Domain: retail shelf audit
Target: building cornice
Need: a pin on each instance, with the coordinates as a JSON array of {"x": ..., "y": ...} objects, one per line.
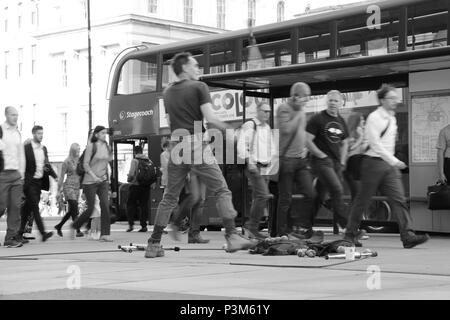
[{"x": 128, "y": 19}]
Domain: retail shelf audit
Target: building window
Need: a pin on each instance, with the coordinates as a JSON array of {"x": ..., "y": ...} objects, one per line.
[
  {"x": 152, "y": 6},
  {"x": 58, "y": 17},
  {"x": 64, "y": 72},
  {"x": 280, "y": 11},
  {"x": 6, "y": 64},
  {"x": 33, "y": 59},
  {"x": 251, "y": 13},
  {"x": 64, "y": 127},
  {"x": 188, "y": 9},
  {"x": 221, "y": 14},
  {"x": 6, "y": 19},
  {"x": 20, "y": 61},
  {"x": 19, "y": 15}
]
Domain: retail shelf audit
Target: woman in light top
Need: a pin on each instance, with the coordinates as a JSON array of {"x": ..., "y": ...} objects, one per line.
[
  {"x": 70, "y": 187},
  {"x": 356, "y": 147},
  {"x": 96, "y": 181}
]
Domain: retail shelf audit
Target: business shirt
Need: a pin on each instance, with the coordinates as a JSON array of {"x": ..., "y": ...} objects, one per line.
[
  {"x": 13, "y": 150},
  {"x": 381, "y": 147},
  {"x": 39, "y": 156},
  {"x": 444, "y": 141},
  {"x": 259, "y": 146}
]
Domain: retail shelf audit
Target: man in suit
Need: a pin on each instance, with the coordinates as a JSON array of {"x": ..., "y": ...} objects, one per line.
[{"x": 37, "y": 172}]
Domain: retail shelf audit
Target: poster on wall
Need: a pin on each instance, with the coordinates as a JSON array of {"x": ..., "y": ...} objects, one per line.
[{"x": 430, "y": 113}]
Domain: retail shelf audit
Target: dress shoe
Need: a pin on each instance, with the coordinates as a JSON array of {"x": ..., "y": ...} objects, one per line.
[
  {"x": 130, "y": 228},
  {"x": 47, "y": 236},
  {"x": 143, "y": 229},
  {"x": 58, "y": 231},
  {"x": 79, "y": 234},
  {"x": 413, "y": 240}
]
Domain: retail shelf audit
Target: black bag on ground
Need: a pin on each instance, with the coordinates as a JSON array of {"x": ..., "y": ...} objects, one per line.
[
  {"x": 147, "y": 172},
  {"x": 439, "y": 197}
]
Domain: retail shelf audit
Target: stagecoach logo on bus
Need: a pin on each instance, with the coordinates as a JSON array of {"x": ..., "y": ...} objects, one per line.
[
  {"x": 137, "y": 114},
  {"x": 213, "y": 145}
]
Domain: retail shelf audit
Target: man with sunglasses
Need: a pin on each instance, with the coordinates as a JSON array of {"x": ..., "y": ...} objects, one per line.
[
  {"x": 294, "y": 169},
  {"x": 257, "y": 146}
]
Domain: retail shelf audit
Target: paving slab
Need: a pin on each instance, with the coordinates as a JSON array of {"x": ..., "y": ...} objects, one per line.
[{"x": 43, "y": 270}]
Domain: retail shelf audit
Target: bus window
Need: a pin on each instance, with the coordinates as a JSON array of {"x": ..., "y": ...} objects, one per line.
[
  {"x": 138, "y": 76},
  {"x": 273, "y": 50},
  {"x": 222, "y": 57},
  {"x": 168, "y": 76},
  {"x": 314, "y": 43},
  {"x": 356, "y": 38},
  {"x": 427, "y": 25}
]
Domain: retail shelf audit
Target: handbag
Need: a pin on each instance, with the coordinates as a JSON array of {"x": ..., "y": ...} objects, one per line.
[{"x": 438, "y": 196}]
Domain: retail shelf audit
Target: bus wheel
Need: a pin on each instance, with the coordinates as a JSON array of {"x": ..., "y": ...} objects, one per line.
[{"x": 378, "y": 211}]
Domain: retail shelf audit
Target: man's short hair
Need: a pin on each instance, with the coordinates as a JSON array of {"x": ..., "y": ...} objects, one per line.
[
  {"x": 179, "y": 60},
  {"x": 7, "y": 110},
  {"x": 36, "y": 129},
  {"x": 260, "y": 104},
  {"x": 335, "y": 92},
  {"x": 384, "y": 90},
  {"x": 137, "y": 149}
]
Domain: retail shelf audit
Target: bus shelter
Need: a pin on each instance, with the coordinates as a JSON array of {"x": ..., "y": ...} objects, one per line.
[{"x": 423, "y": 77}]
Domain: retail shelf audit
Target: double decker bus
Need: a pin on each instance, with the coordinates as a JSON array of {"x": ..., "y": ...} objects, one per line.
[{"x": 354, "y": 50}]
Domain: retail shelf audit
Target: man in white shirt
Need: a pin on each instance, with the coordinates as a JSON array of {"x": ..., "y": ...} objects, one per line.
[
  {"x": 12, "y": 173},
  {"x": 37, "y": 172},
  {"x": 380, "y": 169},
  {"x": 257, "y": 146}
]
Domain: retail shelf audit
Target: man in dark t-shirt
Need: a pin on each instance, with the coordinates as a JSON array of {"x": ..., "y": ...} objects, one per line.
[
  {"x": 326, "y": 135},
  {"x": 187, "y": 102}
]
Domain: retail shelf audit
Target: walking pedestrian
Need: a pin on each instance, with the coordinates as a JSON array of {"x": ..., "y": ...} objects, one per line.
[
  {"x": 294, "y": 168},
  {"x": 96, "y": 182},
  {"x": 12, "y": 173},
  {"x": 257, "y": 146},
  {"x": 138, "y": 193},
  {"x": 356, "y": 146},
  {"x": 327, "y": 141},
  {"x": 37, "y": 172},
  {"x": 443, "y": 154},
  {"x": 70, "y": 187},
  {"x": 188, "y": 101},
  {"x": 380, "y": 170}
]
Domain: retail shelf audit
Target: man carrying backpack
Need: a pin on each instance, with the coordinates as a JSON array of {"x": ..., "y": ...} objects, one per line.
[{"x": 140, "y": 177}]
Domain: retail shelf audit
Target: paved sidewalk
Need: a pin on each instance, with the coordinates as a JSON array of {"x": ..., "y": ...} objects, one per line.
[{"x": 45, "y": 270}]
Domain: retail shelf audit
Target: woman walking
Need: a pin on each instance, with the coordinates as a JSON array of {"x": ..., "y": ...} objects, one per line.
[
  {"x": 70, "y": 187},
  {"x": 96, "y": 181},
  {"x": 356, "y": 149}
]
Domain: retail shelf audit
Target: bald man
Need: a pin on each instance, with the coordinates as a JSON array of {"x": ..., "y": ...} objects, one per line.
[
  {"x": 294, "y": 166},
  {"x": 12, "y": 173},
  {"x": 327, "y": 140}
]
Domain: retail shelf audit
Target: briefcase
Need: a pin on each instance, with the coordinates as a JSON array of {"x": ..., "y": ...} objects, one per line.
[{"x": 439, "y": 197}]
